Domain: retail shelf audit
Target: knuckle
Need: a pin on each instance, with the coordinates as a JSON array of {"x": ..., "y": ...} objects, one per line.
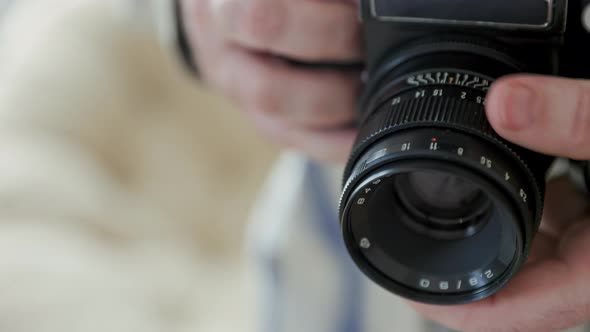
[
  {"x": 262, "y": 21},
  {"x": 580, "y": 130}
]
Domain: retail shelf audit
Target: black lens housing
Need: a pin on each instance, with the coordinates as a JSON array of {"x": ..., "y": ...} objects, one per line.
[{"x": 423, "y": 111}]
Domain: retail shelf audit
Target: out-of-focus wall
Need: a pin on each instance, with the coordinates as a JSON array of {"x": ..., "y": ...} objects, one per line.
[{"x": 124, "y": 185}]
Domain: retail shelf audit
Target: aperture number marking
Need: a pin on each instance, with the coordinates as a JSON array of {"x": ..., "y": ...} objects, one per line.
[{"x": 484, "y": 161}]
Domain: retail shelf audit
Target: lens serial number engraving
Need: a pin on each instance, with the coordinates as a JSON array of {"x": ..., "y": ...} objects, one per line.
[{"x": 473, "y": 281}]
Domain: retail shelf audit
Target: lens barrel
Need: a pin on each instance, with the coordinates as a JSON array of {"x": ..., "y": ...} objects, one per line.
[{"x": 436, "y": 206}]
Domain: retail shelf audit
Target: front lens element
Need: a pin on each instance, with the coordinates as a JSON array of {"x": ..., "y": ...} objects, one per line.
[{"x": 442, "y": 205}]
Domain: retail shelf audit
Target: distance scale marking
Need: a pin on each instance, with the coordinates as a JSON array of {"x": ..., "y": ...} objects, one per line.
[
  {"x": 470, "y": 81},
  {"x": 441, "y": 91}
]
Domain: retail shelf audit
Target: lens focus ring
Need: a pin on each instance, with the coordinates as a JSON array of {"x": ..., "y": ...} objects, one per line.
[{"x": 430, "y": 105}]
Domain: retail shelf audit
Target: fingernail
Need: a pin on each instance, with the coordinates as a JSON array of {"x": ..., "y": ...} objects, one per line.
[{"x": 519, "y": 107}]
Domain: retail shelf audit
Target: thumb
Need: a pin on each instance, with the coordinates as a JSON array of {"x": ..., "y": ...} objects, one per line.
[{"x": 546, "y": 114}]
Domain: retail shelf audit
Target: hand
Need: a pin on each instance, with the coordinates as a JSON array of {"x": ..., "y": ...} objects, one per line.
[
  {"x": 247, "y": 49},
  {"x": 552, "y": 291}
]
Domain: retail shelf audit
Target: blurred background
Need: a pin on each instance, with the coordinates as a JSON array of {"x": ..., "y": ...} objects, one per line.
[{"x": 124, "y": 185}]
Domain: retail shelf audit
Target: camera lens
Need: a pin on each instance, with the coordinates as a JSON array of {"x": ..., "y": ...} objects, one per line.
[
  {"x": 436, "y": 206},
  {"x": 441, "y": 205}
]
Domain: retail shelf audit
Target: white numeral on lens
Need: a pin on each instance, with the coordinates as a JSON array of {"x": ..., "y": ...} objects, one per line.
[
  {"x": 424, "y": 283},
  {"x": 486, "y": 162}
]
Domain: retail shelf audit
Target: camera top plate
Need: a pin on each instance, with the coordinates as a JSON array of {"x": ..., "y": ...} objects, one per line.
[{"x": 503, "y": 14}]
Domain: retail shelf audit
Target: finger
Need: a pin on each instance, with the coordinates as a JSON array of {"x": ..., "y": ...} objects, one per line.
[
  {"x": 322, "y": 145},
  {"x": 574, "y": 247},
  {"x": 547, "y": 295},
  {"x": 305, "y": 30},
  {"x": 545, "y": 114},
  {"x": 316, "y": 99},
  {"x": 544, "y": 247},
  {"x": 563, "y": 205}
]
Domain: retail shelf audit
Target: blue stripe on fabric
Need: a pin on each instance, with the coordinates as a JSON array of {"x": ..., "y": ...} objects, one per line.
[
  {"x": 327, "y": 225},
  {"x": 272, "y": 317}
]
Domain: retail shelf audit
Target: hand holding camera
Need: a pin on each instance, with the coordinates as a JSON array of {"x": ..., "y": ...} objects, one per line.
[
  {"x": 267, "y": 56},
  {"x": 551, "y": 292},
  {"x": 445, "y": 199}
]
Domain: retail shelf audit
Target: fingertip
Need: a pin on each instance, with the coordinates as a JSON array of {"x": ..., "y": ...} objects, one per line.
[
  {"x": 512, "y": 104},
  {"x": 545, "y": 114}
]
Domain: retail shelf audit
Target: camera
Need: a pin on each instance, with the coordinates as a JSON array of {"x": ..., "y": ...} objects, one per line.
[{"x": 437, "y": 207}]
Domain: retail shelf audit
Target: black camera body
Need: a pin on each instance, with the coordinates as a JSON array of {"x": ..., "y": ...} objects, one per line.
[
  {"x": 437, "y": 207},
  {"x": 537, "y": 31}
]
